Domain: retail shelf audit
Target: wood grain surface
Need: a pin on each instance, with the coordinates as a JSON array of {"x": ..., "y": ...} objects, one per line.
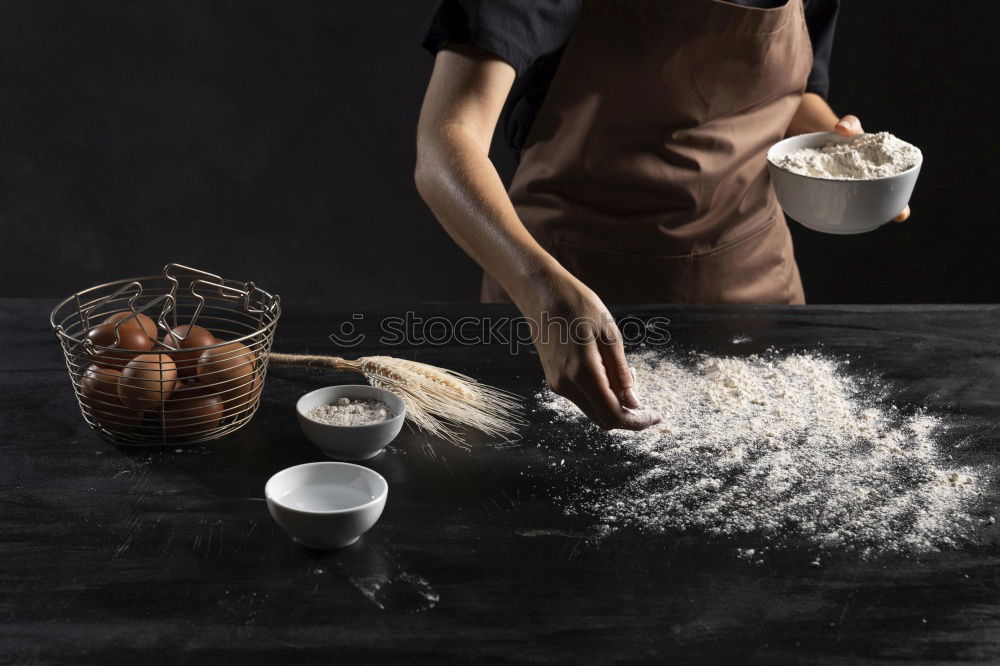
[{"x": 151, "y": 556}]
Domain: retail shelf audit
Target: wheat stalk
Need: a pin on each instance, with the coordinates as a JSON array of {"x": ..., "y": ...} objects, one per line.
[{"x": 439, "y": 401}]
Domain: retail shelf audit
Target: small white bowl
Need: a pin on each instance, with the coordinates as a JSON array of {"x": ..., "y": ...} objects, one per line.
[
  {"x": 326, "y": 504},
  {"x": 837, "y": 206},
  {"x": 351, "y": 442}
]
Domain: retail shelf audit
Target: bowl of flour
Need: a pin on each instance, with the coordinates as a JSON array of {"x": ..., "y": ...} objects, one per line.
[
  {"x": 351, "y": 421},
  {"x": 843, "y": 185}
]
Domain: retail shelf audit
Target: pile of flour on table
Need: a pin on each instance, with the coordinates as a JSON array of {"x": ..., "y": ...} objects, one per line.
[
  {"x": 866, "y": 157},
  {"x": 777, "y": 451}
]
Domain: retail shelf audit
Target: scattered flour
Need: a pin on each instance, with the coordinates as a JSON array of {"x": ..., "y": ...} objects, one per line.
[
  {"x": 347, "y": 412},
  {"x": 866, "y": 157},
  {"x": 777, "y": 451}
]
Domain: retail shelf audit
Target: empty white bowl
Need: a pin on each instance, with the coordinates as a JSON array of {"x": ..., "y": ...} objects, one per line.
[
  {"x": 837, "y": 206},
  {"x": 326, "y": 504},
  {"x": 351, "y": 442}
]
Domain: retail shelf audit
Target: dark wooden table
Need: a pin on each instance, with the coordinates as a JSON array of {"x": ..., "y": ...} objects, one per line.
[{"x": 146, "y": 556}]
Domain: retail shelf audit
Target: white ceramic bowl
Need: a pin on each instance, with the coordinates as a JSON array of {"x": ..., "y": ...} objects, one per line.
[
  {"x": 351, "y": 442},
  {"x": 326, "y": 504},
  {"x": 837, "y": 206}
]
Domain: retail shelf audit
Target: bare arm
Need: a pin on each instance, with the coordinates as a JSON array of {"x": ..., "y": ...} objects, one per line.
[
  {"x": 815, "y": 115},
  {"x": 456, "y": 178}
]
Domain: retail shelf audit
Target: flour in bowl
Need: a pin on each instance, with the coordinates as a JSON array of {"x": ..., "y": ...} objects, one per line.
[
  {"x": 867, "y": 157},
  {"x": 773, "y": 452},
  {"x": 351, "y": 412}
]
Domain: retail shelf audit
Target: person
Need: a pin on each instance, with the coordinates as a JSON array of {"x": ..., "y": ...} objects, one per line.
[{"x": 641, "y": 128}]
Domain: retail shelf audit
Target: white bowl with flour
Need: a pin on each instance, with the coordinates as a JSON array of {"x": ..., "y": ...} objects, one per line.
[
  {"x": 843, "y": 185},
  {"x": 354, "y": 434}
]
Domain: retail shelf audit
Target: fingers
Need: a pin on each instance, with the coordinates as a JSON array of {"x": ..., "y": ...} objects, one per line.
[
  {"x": 586, "y": 385},
  {"x": 609, "y": 344},
  {"x": 903, "y": 216},
  {"x": 609, "y": 413},
  {"x": 849, "y": 125}
]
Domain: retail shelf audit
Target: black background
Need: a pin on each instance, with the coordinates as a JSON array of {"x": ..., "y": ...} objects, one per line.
[{"x": 274, "y": 141}]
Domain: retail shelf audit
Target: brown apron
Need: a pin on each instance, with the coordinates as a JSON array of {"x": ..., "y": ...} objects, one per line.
[{"x": 644, "y": 173}]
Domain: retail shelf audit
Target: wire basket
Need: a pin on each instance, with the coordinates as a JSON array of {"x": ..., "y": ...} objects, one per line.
[{"x": 142, "y": 381}]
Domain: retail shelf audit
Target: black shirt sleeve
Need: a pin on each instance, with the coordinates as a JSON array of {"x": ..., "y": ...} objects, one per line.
[
  {"x": 531, "y": 34},
  {"x": 821, "y": 19},
  {"x": 518, "y": 31}
]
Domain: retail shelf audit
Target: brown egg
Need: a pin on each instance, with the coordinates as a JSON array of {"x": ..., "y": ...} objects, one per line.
[
  {"x": 132, "y": 342},
  {"x": 227, "y": 367},
  {"x": 237, "y": 399},
  {"x": 141, "y": 320},
  {"x": 99, "y": 394},
  {"x": 146, "y": 380},
  {"x": 196, "y": 336},
  {"x": 191, "y": 411}
]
